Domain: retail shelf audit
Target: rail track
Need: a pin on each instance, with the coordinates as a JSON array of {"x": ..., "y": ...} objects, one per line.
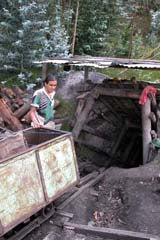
[{"x": 57, "y": 208}]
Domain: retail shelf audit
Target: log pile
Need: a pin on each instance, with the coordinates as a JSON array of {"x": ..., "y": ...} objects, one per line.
[
  {"x": 12, "y": 108},
  {"x": 110, "y": 119}
]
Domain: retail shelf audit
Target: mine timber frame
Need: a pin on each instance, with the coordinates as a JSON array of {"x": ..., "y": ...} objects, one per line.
[{"x": 109, "y": 233}]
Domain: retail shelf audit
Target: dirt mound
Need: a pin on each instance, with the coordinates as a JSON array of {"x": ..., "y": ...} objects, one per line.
[{"x": 129, "y": 199}]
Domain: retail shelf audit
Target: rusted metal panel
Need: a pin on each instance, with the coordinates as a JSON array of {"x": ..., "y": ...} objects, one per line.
[
  {"x": 21, "y": 193},
  {"x": 59, "y": 169},
  {"x": 33, "y": 177}
]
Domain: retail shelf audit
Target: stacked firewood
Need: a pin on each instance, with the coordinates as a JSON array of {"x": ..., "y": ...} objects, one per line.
[{"x": 12, "y": 108}]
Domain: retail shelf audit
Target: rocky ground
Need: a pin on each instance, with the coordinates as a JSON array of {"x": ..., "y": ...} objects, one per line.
[{"x": 127, "y": 199}]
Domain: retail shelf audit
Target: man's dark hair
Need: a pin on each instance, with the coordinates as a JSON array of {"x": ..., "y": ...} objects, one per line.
[{"x": 50, "y": 77}]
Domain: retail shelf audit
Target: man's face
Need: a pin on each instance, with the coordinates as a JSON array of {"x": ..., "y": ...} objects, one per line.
[{"x": 50, "y": 86}]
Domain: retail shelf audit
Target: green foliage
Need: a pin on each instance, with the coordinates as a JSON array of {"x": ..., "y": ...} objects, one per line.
[{"x": 66, "y": 109}]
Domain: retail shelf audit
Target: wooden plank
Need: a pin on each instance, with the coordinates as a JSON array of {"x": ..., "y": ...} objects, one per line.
[
  {"x": 95, "y": 142},
  {"x": 65, "y": 214},
  {"x": 116, "y": 92},
  {"x": 146, "y": 128},
  {"x": 83, "y": 117},
  {"x": 109, "y": 232},
  {"x": 87, "y": 178},
  {"x": 76, "y": 194},
  {"x": 118, "y": 141}
]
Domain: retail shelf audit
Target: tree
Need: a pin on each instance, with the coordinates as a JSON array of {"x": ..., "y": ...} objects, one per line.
[
  {"x": 57, "y": 39},
  {"x": 10, "y": 22}
]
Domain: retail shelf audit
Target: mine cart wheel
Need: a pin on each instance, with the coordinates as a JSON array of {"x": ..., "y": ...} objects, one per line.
[{"x": 48, "y": 211}]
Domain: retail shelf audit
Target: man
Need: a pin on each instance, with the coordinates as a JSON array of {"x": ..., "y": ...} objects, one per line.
[{"x": 41, "y": 112}]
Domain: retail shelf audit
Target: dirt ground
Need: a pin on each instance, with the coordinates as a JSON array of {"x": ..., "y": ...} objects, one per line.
[{"x": 127, "y": 199}]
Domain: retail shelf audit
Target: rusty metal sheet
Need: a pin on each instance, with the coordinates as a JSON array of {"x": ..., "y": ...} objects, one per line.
[
  {"x": 21, "y": 192},
  {"x": 59, "y": 167}
]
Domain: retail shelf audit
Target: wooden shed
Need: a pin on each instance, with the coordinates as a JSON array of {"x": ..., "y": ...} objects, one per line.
[{"x": 117, "y": 117}]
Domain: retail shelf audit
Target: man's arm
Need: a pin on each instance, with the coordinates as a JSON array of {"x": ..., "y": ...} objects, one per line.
[{"x": 36, "y": 123}]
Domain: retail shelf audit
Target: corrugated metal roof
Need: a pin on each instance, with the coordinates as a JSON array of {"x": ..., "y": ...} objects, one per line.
[{"x": 104, "y": 62}]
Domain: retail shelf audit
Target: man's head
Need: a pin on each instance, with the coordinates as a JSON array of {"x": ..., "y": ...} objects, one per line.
[{"x": 50, "y": 83}]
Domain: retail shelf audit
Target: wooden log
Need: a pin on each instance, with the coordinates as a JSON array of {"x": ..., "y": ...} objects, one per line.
[
  {"x": 146, "y": 128},
  {"x": 83, "y": 116},
  {"x": 18, "y": 101},
  {"x": 109, "y": 233},
  {"x": 114, "y": 92},
  {"x": 8, "y": 116},
  {"x": 18, "y": 91},
  {"x": 8, "y": 92},
  {"x": 22, "y": 110}
]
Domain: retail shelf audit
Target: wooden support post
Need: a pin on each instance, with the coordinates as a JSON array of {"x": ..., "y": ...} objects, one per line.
[
  {"x": 44, "y": 71},
  {"x": 83, "y": 117},
  {"x": 146, "y": 128},
  {"x": 86, "y": 72}
]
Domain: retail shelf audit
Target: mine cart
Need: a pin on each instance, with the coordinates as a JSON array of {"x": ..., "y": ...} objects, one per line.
[{"x": 36, "y": 167}]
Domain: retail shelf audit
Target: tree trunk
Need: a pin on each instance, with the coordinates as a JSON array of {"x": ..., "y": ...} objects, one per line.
[{"x": 75, "y": 28}]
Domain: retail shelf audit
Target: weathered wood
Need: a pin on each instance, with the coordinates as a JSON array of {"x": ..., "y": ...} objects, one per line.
[
  {"x": 87, "y": 178},
  {"x": 65, "y": 214},
  {"x": 8, "y": 91},
  {"x": 146, "y": 128},
  {"x": 8, "y": 117},
  {"x": 86, "y": 73},
  {"x": 44, "y": 71},
  {"x": 83, "y": 116},
  {"x": 115, "y": 92},
  {"x": 95, "y": 142},
  {"x": 152, "y": 117},
  {"x": 81, "y": 189},
  {"x": 22, "y": 110},
  {"x": 18, "y": 100},
  {"x": 18, "y": 91},
  {"x": 109, "y": 233},
  {"x": 118, "y": 141}
]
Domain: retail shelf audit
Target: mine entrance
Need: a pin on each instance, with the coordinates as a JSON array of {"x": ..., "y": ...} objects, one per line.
[{"x": 111, "y": 119}]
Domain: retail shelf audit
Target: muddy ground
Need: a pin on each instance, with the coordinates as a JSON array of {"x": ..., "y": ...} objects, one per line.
[{"x": 127, "y": 199}]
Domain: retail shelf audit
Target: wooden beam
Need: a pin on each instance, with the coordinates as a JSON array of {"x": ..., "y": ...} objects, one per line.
[
  {"x": 118, "y": 140},
  {"x": 146, "y": 129},
  {"x": 86, "y": 73},
  {"x": 87, "y": 178},
  {"x": 115, "y": 92},
  {"x": 83, "y": 117},
  {"x": 44, "y": 71},
  {"x": 109, "y": 233},
  {"x": 95, "y": 142}
]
